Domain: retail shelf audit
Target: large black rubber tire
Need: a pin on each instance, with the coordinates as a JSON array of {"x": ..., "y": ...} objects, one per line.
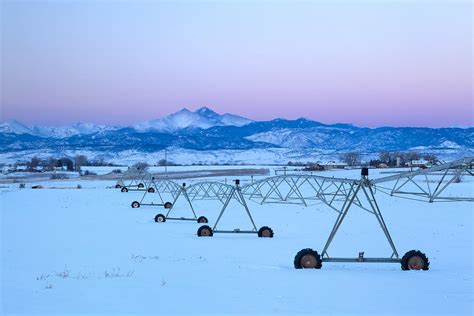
[
  {"x": 265, "y": 232},
  {"x": 151, "y": 190},
  {"x": 168, "y": 205},
  {"x": 118, "y": 186},
  {"x": 415, "y": 260},
  {"x": 141, "y": 185},
  {"x": 135, "y": 204},
  {"x": 160, "y": 218},
  {"x": 124, "y": 190},
  {"x": 205, "y": 231},
  {"x": 202, "y": 220},
  {"x": 308, "y": 259}
]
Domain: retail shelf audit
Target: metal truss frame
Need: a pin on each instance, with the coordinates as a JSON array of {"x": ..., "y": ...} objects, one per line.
[
  {"x": 235, "y": 192},
  {"x": 161, "y": 186},
  {"x": 339, "y": 194},
  {"x": 134, "y": 179},
  {"x": 225, "y": 193},
  {"x": 209, "y": 190},
  {"x": 287, "y": 189},
  {"x": 181, "y": 192},
  {"x": 440, "y": 177},
  {"x": 342, "y": 194}
]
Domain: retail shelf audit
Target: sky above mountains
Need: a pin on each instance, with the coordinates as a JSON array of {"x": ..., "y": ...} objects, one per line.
[{"x": 397, "y": 63}]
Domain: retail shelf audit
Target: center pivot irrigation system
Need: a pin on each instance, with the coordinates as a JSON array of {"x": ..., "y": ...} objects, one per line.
[
  {"x": 158, "y": 187},
  {"x": 225, "y": 194},
  {"x": 209, "y": 190},
  {"x": 341, "y": 195},
  {"x": 135, "y": 179}
]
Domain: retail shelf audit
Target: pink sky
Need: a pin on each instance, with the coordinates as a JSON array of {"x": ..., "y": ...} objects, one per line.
[{"x": 397, "y": 64}]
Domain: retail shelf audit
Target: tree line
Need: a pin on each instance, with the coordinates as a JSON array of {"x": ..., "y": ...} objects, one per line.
[
  {"x": 388, "y": 158},
  {"x": 68, "y": 163}
]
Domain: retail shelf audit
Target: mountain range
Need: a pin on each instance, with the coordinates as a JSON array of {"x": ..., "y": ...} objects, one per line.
[
  {"x": 202, "y": 118},
  {"x": 205, "y": 129}
]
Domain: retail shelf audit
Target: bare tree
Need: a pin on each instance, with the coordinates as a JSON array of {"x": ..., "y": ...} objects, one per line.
[
  {"x": 49, "y": 164},
  {"x": 79, "y": 161},
  {"x": 34, "y": 162},
  {"x": 390, "y": 158},
  {"x": 385, "y": 157},
  {"x": 65, "y": 162},
  {"x": 163, "y": 162},
  {"x": 430, "y": 158},
  {"x": 411, "y": 155},
  {"x": 351, "y": 158}
]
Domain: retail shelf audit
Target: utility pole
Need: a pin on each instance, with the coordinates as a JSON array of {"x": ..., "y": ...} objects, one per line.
[{"x": 166, "y": 160}]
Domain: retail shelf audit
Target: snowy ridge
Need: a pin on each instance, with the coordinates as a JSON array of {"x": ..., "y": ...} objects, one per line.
[
  {"x": 15, "y": 127},
  {"x": 294, "y": 138},
  {"x": 202, "y": 118},
  {"x": 206, "y": 130}
]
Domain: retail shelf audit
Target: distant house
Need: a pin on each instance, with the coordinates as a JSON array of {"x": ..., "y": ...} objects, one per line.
[
  {"x": 382, "y": 165},
  {"x": 333, "y": 165},
  {"x": 420, "y": 163},
  {"x": 21, "y": 168}
]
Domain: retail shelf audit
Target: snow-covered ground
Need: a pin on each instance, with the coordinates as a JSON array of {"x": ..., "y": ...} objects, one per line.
[
  {"x": 86, "y": 251},
  {"x": 182, "y": 156},
  {"x": 186, "y": 157},
  {"x": 161, "y": 169}
]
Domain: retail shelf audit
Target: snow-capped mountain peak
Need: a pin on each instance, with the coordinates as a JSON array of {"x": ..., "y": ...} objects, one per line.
[
  {"x": 14, "y": 127},
  {"x": 205, "y": 111},
  {"x": 201, "y": 118}
]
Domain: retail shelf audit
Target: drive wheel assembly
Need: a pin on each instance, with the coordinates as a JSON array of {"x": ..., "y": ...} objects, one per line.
[
  {"x": 141, "y": 185},
  {"x": 151, "y": 190},
  {"x": 415, "y": 260},
  {"x": 160, "y": 218},
  {"x": 308, "y": 259},
  {"x": 168, "y": 205},
  {"x": 124, "y": 189},
  {"x": 135, "y": 204},
  {"x": 205, "y": 231},
  {"x": 266, "y": 232},
  {"x": 202, "y": 219}
]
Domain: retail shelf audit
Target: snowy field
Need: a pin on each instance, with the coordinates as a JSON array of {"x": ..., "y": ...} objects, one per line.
[
  {"x": 161, "y": 169},
  {"x": 86, "y": 251},
  {"x": 222, "y": 156}
]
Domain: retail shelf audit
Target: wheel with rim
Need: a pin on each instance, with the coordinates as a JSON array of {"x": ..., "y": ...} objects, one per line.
[
  {"x": 151, "y": 190},
  {"x": 308, "y": 259},
  {"x": 415, "y": 260},
  {"x": 135, "y": 204},
  {"x": 118, "y": 186},
  {"x": 205, "y": 231},
  {"x": 160, "y": 218},
  {"x": 202, "y": 219},
  {"x": 168, "y": 205},
  {"x": 141, "y": 185},
  {"x": 265, "y": 232},
  {"x": 124, "y": 190}
]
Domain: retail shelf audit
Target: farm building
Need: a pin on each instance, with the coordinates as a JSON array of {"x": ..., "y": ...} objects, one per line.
[{"x": 333, "y": 165}]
